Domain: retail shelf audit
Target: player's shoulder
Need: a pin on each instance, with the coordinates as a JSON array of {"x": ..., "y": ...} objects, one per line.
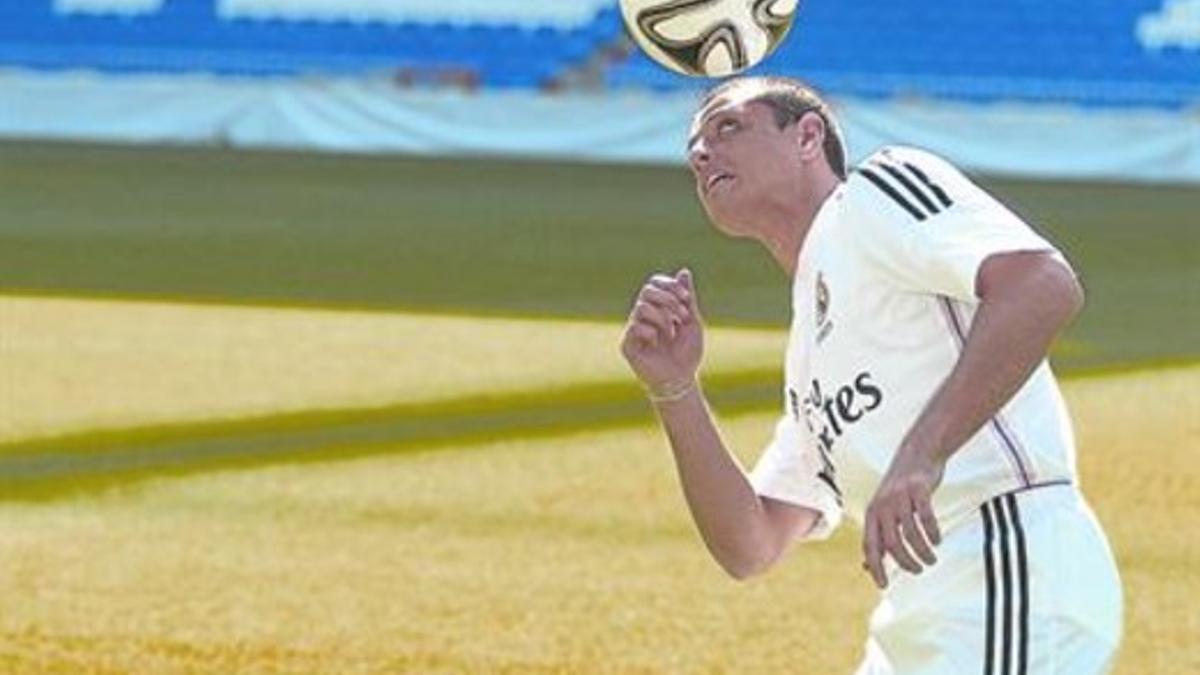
[
  {"x": 905, "y": 181},
  {"x": 907, "y": 153},
  {"x": 915, "y": 160}
]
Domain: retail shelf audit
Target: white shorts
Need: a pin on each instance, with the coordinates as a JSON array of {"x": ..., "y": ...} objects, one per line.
[{"x": 1028, "y": 587}]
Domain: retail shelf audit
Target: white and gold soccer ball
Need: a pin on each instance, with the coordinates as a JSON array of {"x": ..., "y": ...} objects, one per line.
[{"x": 708, "y": 38}]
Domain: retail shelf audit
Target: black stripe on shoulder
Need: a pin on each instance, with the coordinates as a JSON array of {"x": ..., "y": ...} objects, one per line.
[
  {"x": 937, "y": 189},
  {"x": 908, "y": 185},
  {"x": 890, "y": 191}
]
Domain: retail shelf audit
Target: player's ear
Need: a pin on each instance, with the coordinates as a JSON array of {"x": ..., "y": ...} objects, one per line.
[{"x": 811, "y": 130}]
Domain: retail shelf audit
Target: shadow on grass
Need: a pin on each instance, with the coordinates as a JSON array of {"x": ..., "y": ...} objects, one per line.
[
  {"x": 53, "y": 468},
  {"x": 58, "y": 467}
]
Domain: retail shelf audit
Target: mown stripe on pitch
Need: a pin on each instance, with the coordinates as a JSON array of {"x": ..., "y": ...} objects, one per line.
[{"x": 43, "y": 468}]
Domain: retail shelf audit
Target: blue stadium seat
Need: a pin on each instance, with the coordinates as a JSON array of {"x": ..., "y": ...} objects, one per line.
[
  {"x": 1084, "y": 51},
  {"x": 187, "y": 35}
]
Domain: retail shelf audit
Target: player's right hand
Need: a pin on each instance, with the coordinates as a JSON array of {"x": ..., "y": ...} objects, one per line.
[{"x": 664, "y": 338}]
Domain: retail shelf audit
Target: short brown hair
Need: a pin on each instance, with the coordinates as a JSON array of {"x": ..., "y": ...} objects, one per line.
[{"x": 790, "y": 100}]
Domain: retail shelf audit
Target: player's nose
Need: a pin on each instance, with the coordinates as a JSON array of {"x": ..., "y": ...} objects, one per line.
[{"x": 698, "y": 156}]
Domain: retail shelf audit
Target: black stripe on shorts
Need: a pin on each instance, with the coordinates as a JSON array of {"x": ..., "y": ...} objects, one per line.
[
  {"x": 1004, "y": 537},
  {"x": 989, "y": 571},
  {"x": 1023, "y": 576}
]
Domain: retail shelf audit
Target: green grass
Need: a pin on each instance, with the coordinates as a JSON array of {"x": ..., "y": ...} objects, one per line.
[
  {"x": 502, "y": 237},
  {"x": 509, "y": 554},
  {"x": 530, "y": 531}
]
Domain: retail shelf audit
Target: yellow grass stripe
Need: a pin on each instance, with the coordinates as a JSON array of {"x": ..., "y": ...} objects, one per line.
[
  {"x": 570, "y": 554},
  {"x": 70, "y": 365}
]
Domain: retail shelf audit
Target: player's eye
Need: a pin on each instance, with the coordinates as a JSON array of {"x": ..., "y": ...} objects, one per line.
[{"x": 726, "y": 127}]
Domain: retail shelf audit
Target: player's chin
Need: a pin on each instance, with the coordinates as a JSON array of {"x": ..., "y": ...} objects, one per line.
[
  {"x": 724, "y": 222},
  {"x": 720, "y": 213},
  {"x": 714, "y": 202},
  {"x": 711, "y": 209}
]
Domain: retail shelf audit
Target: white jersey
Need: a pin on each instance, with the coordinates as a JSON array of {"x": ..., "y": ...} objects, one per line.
[{"x": 882, "y": 300}]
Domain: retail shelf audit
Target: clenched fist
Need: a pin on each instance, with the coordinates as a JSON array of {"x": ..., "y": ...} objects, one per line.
[{"x": 664, "y": 338}]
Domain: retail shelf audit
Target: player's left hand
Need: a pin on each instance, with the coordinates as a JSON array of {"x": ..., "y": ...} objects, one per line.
[{"x": 900, "y": 516}]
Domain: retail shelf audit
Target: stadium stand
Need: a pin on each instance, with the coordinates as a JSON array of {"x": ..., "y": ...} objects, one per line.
[
  {"x": 1091, "y": 52},
  {"x": 1087, "y": 89},
  {"x": 241, "y": 37}
]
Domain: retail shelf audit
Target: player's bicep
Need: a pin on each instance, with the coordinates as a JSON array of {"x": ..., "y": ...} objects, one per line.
[{"x": 1001, "y": 271}]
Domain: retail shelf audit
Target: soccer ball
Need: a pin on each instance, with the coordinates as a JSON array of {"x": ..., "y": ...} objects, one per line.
[{"x": 708, "y": 37}]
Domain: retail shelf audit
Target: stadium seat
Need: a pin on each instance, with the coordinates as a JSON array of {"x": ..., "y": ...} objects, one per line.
[
  {"x": 1085, "y": 52},
  {"x": 268, "y": 38}
]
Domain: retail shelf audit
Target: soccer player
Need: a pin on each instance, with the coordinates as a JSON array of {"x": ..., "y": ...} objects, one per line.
[{"x": 918, "y": 400}]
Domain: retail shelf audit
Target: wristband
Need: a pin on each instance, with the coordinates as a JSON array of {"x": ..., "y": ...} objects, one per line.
[{"x": 672, "y": 391}]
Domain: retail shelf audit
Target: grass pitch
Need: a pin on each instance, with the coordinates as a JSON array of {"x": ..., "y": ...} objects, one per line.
[
  {"x": 91, "y": 365},
  {"x": 411, "y": 446},
  {"x": 512, "y": 238},
  {"x": 570, "y": 554}
]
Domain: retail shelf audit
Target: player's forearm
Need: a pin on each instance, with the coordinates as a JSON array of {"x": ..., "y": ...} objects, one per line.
[
  {"x": 1010, "y": 335},
  {"x": 727, "y": 511}
]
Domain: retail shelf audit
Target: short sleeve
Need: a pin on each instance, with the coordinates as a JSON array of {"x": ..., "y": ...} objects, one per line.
[
  {"x": 928, "y": 228},
  {"x": 789, "y": 471}
]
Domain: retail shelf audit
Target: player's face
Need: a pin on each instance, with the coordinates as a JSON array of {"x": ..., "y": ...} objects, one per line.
[{"x": 739, "y": 157}]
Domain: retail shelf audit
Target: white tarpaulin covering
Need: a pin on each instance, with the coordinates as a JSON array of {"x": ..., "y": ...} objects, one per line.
[{"x": 374, "y": 116}]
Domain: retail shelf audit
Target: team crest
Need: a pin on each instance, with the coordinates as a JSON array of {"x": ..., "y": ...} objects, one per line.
[{"x": 824, "y": 325}]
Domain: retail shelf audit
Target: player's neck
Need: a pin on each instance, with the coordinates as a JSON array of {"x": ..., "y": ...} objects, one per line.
[{"x": 787, "y": 222}]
